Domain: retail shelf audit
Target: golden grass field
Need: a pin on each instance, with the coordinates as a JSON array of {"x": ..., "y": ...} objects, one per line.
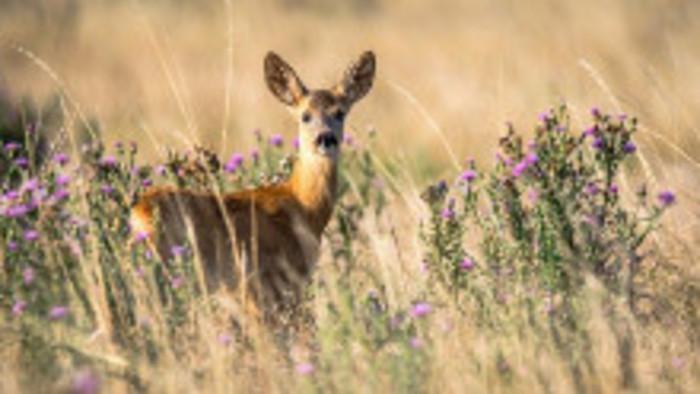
[{"x": 451, "y": 73}]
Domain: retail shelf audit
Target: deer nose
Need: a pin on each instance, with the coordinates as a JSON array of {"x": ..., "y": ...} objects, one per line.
[{"x": 327, "y": 140}]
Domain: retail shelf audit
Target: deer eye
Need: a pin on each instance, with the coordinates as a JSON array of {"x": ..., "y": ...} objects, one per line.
[
  {"x": 306, "y": 117},
  {"x": 339, "y": 115}
]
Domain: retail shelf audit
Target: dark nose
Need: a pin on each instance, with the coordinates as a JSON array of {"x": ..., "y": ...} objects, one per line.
[{"x": 327, "y": 139}]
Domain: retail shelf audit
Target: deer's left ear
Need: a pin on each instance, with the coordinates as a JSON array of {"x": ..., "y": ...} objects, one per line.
[
  {"x": 282, "y": 80},
  {"x": 358, "y": 78}
]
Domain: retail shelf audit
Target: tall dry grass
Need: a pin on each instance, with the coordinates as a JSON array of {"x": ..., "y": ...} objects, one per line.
[{"x": 451, "y": 73}]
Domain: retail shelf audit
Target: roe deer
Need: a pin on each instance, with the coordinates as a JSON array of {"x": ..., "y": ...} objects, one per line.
[{"x": 265, "y": 240}]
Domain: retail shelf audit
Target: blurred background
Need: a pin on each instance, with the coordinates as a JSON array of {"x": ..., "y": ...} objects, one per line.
[{"x": 451, "y": 73}]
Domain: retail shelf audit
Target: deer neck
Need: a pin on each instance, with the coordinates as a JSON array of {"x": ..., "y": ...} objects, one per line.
[{"x": 313, "y": 181}]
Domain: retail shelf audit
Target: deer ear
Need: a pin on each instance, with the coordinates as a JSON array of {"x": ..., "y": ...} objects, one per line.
[
  {"x": 358, "y": 78},
  {"x": 282, "y": 80}
]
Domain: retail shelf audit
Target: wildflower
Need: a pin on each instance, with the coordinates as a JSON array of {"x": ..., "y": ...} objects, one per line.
[
  {"x": 416, "y": 342},
  {"x": 225, "y": 339},
  {"x": 348, "y": 140},
  {"x": 447, "y": 213},
  {"x": 590, "y": 132},
  {"x": 140, "y": 236},
  {"x": 305, "y": 369},
  {"x": 16, "y": 211},
  {"x": 622, "y": 117},
  {"x": 466, "y": 264},
  {"x": 255, "y": 155},
  {"x": 160, "y": 170},
  {"x": 12, "y": 146},
  {"x": 12, "y": 195},
  {"x": 31, "y": 235},
  {"x": 276, "y": 140},
  {"x": 12, "y": 246},
  {"x": 421, "y": 309},
  {"x": 31, "y": 185},
  {"x": 295, "y": 143},
  {"x": 107, "y": 189},
  {"x": 468, "y": 176},
  {"x": 630, "y": 147},
  {"x": 595, "y": 111},
  {"x": 85, "y": 381},
  {"x": 531, "y": 158},
  {"x": 178, "y": 250},
  {"x": 614, "y": 189},
  {"x": 58, "y": 312},
  {"x": 109, "y": 161},
  {"x": 520, "y": 168},
  {"x": 62, "y": 180},
  {"x": 28, "y": 275},
  {"x": 22, "y": 162},
  {"x": 544, "y": 117},
  {"x": 60, "y": 159},
  {"x": 234, "y": 163},
  {"x": 147, "y": 182},
  {"x": 177, "y": 282},
  {"x": 61, "y": 194},
  {"x": 592, "y": 189},
  {"x": 666, "y": 198},
  {"x": 532, "y": 195},
  {"x": 598, "y": 143},
  {"x": 18, "y": 307}
]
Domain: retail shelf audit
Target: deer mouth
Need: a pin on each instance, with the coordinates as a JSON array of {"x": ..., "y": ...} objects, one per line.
[{"x": 327, "y": 140}]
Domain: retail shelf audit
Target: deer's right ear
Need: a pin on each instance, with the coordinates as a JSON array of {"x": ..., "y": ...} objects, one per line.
[{"x": 283, "y": 80}]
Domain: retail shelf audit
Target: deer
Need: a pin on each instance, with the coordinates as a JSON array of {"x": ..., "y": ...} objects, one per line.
[{"x": 265, "y": 241}]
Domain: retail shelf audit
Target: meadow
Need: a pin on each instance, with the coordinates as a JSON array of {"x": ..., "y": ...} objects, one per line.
[{"x": 517, "y": 208}]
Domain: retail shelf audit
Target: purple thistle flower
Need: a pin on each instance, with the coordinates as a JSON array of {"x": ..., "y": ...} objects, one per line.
[
  {"x": 630, "y": 147},
  {"x": 18, "y": 307},
  {"x": 140, "y": 236},
  {"x": 592, "y": 189},
  {"x": 160, "y": 170},
  {"x": 234, "y": 163},
  {"x": 58, "y": 312},
  {"x": 31, "y": 184},
  {"x": 468, "y": 176},
  {"x": 622, "y": 117},
  {"x": 61, "y": 194},
  {"x": 305, "y": 369},
  {"x": 447, "y": 213},
  {"x": 416, "y": 342},
  {"x": 520, "y": 168},
  {"x": 107, "y": 189},
  {"x": 295, "y": 143},
  {"x": 85, "y": 382},
  {"x": 28, "y": 275},
  {"x": 276, "y": 140},
  {"x": 348, "y": 140},
  {"x": 31, "y": 235},
  {"x": 225, "y": 339},
  {"x": 466, "y": 264},
  {"x": 139, "y": 272},
  {"x": 598, "y": 143},
  {"x": 614, "y": 189},
  {"x": 12, "y": 146},
  {"x": 544, "y": 117},
  {"x": 178, "y": 250},
  {"x": 595, "y": 111},
  {"x": 177, "y": 282},
  {"x": 666, "y": 198},
  {"x": 146, "y": 182},
  {"x": 255, "y": 155},
  {"x": 421, "y": 309},
  {"x": 109, "y": 161},
  {"x": 22, "y": 162},
  {"x": 16, "y": 211},
  {"x": 590, "y": 132},
  {"x": 12, "y": 246},
  {"x": 531, "y": 158},
  {"x": 61, "y": 159},
  {"x": 532, "y": 195},
  {"x": 62, "y": 180}
]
